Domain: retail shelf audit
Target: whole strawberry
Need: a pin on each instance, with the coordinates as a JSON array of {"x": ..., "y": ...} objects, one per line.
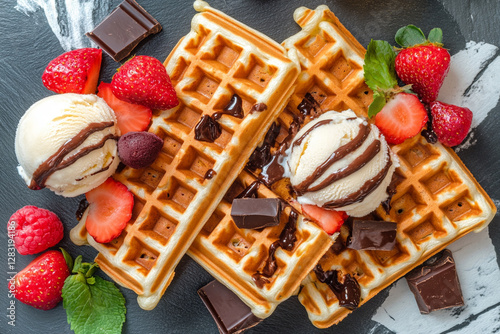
[
  {"x": 40, "y": 283},
  {"x": 144, "y": 80},
  {"x": 450, "y": 123},
  {"x": 423, "y": 63},
  {"x": 35, "y": 229},
  {"x": 75, "y": 71}
]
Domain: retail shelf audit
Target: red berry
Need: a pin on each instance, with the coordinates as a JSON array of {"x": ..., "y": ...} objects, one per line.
[
  {"x": 35, "y": 229},
  {"x": 41, "y": 282},
  {"x": 450, "y": 123},
  {"x": 130, "y": 117},
  {"x": 401, "y": 118},
  {"x": 329, "y": 220},
  {"x": 75, "y": 71},
  {"x": 110, "y": 209},
  {"x": 424, "y": 67},
  {"x": 144, "y": 80}
]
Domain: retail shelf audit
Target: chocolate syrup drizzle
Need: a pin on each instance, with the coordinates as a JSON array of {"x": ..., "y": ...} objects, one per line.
[
  {"x": 262, "y": 155},
  {"x": 340, "y": 153},
  {"x": 348, "y": 293},
  {"x": 286, "y": 241},
  {"x": 250, "y": 191},
  {"x": 207, "y": 129},
  {"x": 210, "y": 174},
  {"x": 55, "y": 162},
  {"x": 233, "y": 108},
  {"x": 258, "y": 107}
]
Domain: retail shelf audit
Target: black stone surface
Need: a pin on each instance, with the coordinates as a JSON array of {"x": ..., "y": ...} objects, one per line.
[{"x": 27, "y": 44}]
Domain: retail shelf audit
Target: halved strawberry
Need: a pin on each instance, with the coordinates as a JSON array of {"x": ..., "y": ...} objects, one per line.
[
  {"x": 401, "y": 118},
  {"x": 76, "y": 71},
  {"x": 110, "y": 209},
  {"x": 329, "y": 220},
  {"x": 130, "y": 117}
]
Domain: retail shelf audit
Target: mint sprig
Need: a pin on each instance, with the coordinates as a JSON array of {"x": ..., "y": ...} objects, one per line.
[
  {"x": 380, "y": 74},
  {"x": 93, "y": 305}
]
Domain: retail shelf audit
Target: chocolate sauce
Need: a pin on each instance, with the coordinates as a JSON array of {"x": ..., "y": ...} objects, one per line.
[
  {"x": 391, "y": 190},
  {"x": 258, "y": 107},
  {"x": 341, "y": 152},
  {"x": 338, "y": 246},
  {"x": 262, "y": 155},
  {"x": 207, "y": 129},
  {"x": 356, "y": 165},
  {"x": 210, "y": 174},
  {"x": 233, "y": 108},
  {"x": 55, "y": 162},
  {"x": 365, "y": 190},
  {"x": 308, "y": 131},
  {"x": 286, "y": 241},
  {"x": 82, "y": 206},
  {"x": 309, "y": 106},
  {"x": 103, "y": 169},
  {"x": 259, "y": 280},
  {"x": 87, "y": 150},
  {"x": 250, "y": 191},
  {"x": 348, "y": 293}
]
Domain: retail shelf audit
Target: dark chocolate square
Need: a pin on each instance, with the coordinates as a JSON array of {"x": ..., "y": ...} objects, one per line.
[
  {"x": 372, "y": 235},
  {"x": 435, "y": 284},
  {"x": 120, "y": 32},
  {"x": 256, "y": 213},
  {"x": 227, "y": 309}
]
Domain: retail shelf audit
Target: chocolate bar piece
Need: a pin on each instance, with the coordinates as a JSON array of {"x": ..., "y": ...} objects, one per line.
[
  {"x": 372, "y": 235},
  {"x": 256, "y": 212},
  {"x": 120, "y": 32},
  {"x": 435, "y": 283},
  {"x": 228, "y": 311}
]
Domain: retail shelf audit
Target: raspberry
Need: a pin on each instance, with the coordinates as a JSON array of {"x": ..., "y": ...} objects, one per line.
[{"x": 36, "y": 229}]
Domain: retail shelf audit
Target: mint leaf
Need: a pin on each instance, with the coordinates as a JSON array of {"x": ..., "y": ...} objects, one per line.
[
  {"x": 377, "y": 104},
  {"x": 410, "y": 36},
  {"x": 98, "y": 307},
  {"x": 379, "y": 66},
  {"x": 436, "y": 36}
]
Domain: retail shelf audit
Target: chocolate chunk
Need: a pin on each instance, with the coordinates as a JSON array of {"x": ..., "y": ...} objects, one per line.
[
  {"x": 207, "y": 129},
  {"x": 348, "y": 293},
  {"x": 309, "y": 106},
  {"x": 210, "y": 174},
  {"x": 435, "y": 283},
  {"x": 372, "y": 235},
  {"x": 126, "y": 26},
  {"x": 82, "y": 206},
  {"x": 256, "y": 213},
  {"x": 234, "y": 108},
  {"x": 262, "y": 154},
  {"x": 228, "y": 311}
]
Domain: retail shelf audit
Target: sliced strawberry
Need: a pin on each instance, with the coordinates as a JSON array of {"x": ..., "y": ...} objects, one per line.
[
  {"x": 130, "y": 117},
  {"x": 110, "y": 209},
  {"x": 401, "y": 118},
  {"x": 75, "y": 71},
  {"x": 329, "y": 220}
]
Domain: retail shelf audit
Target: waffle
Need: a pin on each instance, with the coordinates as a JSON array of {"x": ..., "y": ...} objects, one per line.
[
  {"x": 234, "y": 255},
  {"x": 177, "y": 194},
  {"x": 436, "y": 202}
]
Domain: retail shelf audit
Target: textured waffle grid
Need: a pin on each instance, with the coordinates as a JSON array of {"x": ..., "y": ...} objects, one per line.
[
  {"x": 218, "y": 58},
  {"x": 437, "y": 201},
  {"x": 233, "y": 255}
]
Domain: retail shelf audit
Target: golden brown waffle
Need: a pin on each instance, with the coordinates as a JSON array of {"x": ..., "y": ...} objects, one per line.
[
  {"x": 175, "y": 196},
  {"x": 233, "y": 255},
  {"x": 437, "y": 201}
]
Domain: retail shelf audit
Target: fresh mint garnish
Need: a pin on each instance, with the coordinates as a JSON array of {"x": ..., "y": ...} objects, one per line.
[{"x": 93, "y": 305}]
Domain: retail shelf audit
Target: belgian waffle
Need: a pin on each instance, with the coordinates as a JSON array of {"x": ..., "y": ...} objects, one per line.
[
  {"x": 234, "y": 255},
  {"x": 177, "y": 194},
  {"x": 436, "y": 202}
]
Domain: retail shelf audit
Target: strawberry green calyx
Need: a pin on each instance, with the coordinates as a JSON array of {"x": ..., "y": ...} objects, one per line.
[
  {"x": 380, "y": 74},
  {"x": 410, "y": 36}
]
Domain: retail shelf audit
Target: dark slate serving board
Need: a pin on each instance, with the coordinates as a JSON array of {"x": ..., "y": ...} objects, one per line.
[{"x": 27, "y": 44}]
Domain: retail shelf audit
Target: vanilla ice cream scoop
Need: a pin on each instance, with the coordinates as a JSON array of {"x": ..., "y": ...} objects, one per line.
[
  {"x": 341, "y": 162},
  {"x": 67, "y": 143}
]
